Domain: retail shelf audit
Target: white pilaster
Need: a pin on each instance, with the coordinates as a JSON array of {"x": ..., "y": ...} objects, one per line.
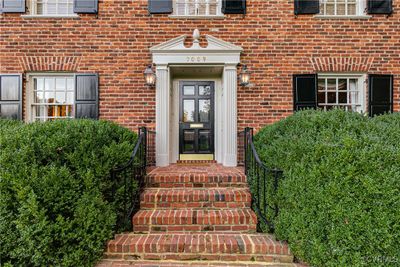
[
  {"x": 230, "y": 115},
  {"x": 162, "y": 115}
]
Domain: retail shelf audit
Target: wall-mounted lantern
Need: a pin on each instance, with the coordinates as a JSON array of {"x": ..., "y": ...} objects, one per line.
[
  {"x": 149, "y": 76},
  {"x": 244, "y": 76}
]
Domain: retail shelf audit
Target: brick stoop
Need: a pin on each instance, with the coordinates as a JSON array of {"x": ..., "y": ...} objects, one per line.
[{"x": 199, "y": 214}]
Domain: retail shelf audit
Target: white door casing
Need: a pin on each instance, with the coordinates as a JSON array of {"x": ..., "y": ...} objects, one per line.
[{"x": 216, "y": 53}]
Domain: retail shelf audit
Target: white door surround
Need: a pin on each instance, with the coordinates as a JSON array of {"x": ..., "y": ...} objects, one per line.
[{"x": 216, "y": 53}]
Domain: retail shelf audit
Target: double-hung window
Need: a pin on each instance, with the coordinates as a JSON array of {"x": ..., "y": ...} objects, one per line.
[
  {"x": 342, "y": 7},
  {"x": 197, "y": 8},
  {"x": 52, "y": 97},
  {"x": 344, "y": 91},
  {"x": 51, "y": 7}
]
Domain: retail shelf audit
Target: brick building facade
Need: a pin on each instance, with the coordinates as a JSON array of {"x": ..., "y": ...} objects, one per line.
[{"x": 354, "y": 51}]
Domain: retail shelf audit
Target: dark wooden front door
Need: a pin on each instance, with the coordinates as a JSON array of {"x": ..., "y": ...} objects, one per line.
[{"x": 196, "y": 117}]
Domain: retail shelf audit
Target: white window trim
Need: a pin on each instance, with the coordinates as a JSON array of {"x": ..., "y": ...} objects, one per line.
[
  {"x": 30, "y": 90},
  {"x": 361, "y": 13},
  {"x": 219, "y": 14},
  {"x": 32, "y": 13},
  {"x": 362, "y": 85}
]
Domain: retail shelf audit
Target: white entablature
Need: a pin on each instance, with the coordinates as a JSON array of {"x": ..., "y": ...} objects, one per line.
[{"x": 217, "y": 51}]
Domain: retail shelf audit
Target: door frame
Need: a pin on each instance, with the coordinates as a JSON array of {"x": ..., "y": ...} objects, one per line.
[
  {"x": 212, "y": 115},
  {"x": 174, "y": 117}
]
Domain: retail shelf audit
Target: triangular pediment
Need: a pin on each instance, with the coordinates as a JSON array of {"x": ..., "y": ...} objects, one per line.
[{"x": 176, "y": 45}]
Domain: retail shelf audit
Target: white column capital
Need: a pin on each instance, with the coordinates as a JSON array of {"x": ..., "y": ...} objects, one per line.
[
  {"x": 161, "y": 67},
  {"x": 230, "y": 66}
]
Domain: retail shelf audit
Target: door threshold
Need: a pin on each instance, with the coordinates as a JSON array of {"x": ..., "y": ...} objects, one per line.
[{"x": 196, "y": 156}]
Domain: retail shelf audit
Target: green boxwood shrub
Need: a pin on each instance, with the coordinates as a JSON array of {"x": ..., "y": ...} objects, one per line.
[
  {"x": 339, "y": 199},
  {"x": 54, "y": 183}
]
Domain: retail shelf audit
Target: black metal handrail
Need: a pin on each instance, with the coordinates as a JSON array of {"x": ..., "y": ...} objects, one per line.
[
  {"x": 128, "y": 181},
  {"x": 263, "y": 181}
]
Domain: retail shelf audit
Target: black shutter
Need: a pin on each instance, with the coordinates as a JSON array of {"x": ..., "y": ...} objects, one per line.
[
  {"x": 11, "y": 96},
  {"x": 380, "y": 7},
  {"x": 306, "y": 7},
  {"x": 86, "y": 6},
  {"x": 234, "y": 6},
  {"x": 380, "y": 94},
  {"x": 12, "y": 6},
  {"x": 87, "y": 96},
  {"x": 305, "y": 91},
  {"x": 160, "y": 6}
]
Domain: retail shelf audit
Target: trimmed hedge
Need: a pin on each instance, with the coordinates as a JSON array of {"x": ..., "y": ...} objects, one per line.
[
  {"x": 54, "y": 179},
  {"x": 339, "y": 199}
]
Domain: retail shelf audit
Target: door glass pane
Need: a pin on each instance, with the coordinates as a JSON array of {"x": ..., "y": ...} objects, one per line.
[
  {"x": 188, "y": 90},
  {"x": 188, "y": 110},
  {"x": 204, "y": 90},
  {"x": 188, "y": 140},
  {"x": 204, "y": 140},
  {"x": 204, "y": 110}
]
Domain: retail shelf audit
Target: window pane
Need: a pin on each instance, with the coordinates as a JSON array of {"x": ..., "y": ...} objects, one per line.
[
  {"x": 204, "y": 110},
  {"x": 321, "y": 97},
  {"x": 342, "y": 85},
  {"x": 60, "y": 84},
  {"x": 340, "y": 7},
  {"x": 49, "y": 84},
  {"x": 70, "y": 97},
  {"x": 49, "y": 97},
  {"x": 331, "y": 86},
  {"x": 342, "y": 97},
  {"x": 39, "y": 97},
  {"x": 60, "y": 97},
  {"x": 188, "y": 110},
  {"x": 70, "y": 84},
  {"x": 332, "y": 97},
  {"x": 39, "y": 83}
]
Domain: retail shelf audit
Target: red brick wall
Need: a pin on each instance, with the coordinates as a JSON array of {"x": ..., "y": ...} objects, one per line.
[{"x": 276, "y": 45}]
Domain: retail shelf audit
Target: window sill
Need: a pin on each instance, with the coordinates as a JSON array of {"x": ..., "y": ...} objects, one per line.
[
  {"x": 342, "y": 17},
  {"x": 74, "y": 16},
  {"x": 197, "y": 17}
]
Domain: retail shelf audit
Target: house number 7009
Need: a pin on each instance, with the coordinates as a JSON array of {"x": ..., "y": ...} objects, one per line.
[{"x": 196, "y": 59}]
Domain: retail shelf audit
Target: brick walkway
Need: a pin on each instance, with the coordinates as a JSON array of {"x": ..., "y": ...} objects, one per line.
[{"x": 196, "y": 214}]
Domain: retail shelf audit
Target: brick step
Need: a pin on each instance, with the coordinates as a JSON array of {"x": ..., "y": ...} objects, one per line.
[
  {"x": 195, "y": 180},
  {"x": 198, "y": 246},
  {"x": 170, "y": 263},
  {"x": 231, "y": 220},
  {"x": 163, "y": 198}
]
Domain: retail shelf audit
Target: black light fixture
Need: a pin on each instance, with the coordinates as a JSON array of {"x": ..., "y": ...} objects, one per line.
[
  {"x": 150, "y": 76},
  {"x": 244, "y": 76}
]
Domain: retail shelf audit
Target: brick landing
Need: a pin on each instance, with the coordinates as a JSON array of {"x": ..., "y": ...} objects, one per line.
[{"x": 196, "y": 214}]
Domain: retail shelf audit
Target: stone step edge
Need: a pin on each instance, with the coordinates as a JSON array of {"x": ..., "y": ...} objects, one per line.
[
  {"x": 262, "y": 258},
  {"x": 173, "y": 263}
]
